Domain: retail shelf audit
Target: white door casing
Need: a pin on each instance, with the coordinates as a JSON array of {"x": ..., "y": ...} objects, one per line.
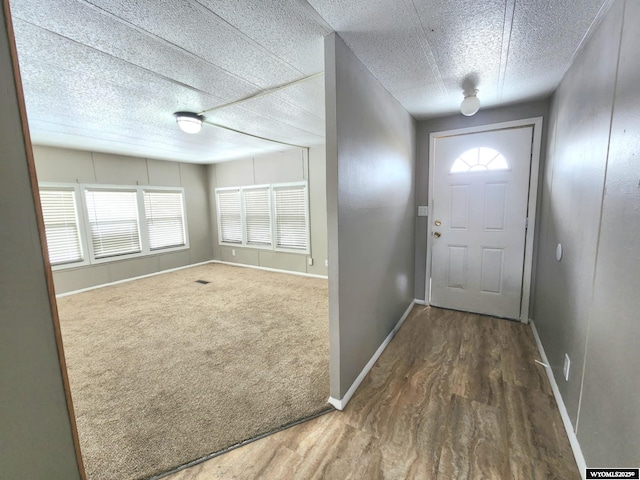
[{"x": 479, "y": 257}]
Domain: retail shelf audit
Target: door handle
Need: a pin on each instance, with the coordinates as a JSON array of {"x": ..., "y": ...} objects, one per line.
[
  {"x": 436, "y": 234},
  {"x": 438, "y": 223}
]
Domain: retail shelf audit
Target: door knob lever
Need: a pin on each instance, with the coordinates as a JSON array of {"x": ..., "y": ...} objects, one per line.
[{"x": 436, "y": 234}]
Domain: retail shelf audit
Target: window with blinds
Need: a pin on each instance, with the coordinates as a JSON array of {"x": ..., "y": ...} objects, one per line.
[
  {"x": 229, "y": 216},
  {"x": 164, "y": 213},
  {"x": 266, "y": 216},
  {"x": 257, "y": 210},
  {"x": 291, "y": 222},
  {"x": 113, "y": 222},
  {"x": 61, "y": 225}
]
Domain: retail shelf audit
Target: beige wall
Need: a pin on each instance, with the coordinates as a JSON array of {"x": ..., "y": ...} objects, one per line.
[
  {"x": 587, "y": 304},
  {"x": 291, "y": 165},
  {"x": 35, "y": 430},
  {"x": 70, "y": 166},
  {"x": 371, "y": 212}
]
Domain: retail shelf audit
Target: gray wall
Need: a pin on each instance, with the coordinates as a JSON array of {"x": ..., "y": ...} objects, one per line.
[
  {"x": 371, "y": 204},
  {"x": 70, "y": 166},
  {"x": 291, "y": 165},
  {"x": 424, "y": 129},
  {"x": 35, "y": 430},
  {"x": 587, "y": 304}
]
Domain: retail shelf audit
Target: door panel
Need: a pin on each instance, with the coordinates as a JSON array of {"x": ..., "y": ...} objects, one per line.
[
  {"x": 457, "y": 267},
  {"x": 495, "y": 196},
  {"x": 481, "y": 185},
  {"x": 492, "y": 268},
  {"x": 459, "y": 207}
]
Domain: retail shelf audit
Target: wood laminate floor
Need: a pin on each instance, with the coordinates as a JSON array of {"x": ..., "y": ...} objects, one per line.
[{"x": 454, "y": 396}]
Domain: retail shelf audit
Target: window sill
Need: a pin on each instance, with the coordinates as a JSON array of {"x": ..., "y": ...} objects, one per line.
[{"x": 122, "y": 258}]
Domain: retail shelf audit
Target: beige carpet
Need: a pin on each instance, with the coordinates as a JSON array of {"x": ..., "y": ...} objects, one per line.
[{"x": 164, "y": 370}]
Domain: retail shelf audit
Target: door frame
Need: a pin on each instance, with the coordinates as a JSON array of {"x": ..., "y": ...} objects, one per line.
[{"x": 536, "y": 123}]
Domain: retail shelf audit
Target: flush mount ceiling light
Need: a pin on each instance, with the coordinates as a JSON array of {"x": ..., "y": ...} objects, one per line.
[
  {"x": 470, "y": 105},
  {"x": 189, "y": 122}
]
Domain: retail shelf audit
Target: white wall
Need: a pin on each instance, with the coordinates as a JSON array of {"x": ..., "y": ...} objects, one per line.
[
  {"x": 588, "y": 304},
  {"x": 371, "y": 212},
  {"x": 71, "y": 166},
  {"x": 35, "y": 429},
  {"x": 291, "y": 165}
]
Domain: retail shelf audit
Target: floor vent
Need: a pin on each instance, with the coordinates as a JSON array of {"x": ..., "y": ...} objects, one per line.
[{"x": 203, "y": 282}]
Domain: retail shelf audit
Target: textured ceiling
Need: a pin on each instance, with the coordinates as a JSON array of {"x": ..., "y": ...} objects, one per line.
[{"x": 107, "y": 75}]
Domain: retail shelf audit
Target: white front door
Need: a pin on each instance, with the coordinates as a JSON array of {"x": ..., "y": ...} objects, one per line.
[{"x": 478, "y": 222}]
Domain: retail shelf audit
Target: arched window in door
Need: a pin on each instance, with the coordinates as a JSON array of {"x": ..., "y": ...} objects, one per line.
[{"x": 479, "y": 159}]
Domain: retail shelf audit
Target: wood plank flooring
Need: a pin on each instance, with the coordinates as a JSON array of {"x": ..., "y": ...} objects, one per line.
[{"x": 454, "y": 396}]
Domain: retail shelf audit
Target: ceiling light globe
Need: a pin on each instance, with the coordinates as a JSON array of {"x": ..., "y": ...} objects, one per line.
[
  {"x": 470, "y": 105},
  {"x": 189, "y": 122}
]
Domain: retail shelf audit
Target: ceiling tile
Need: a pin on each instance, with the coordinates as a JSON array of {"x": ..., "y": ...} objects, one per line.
[
  {"x": 196, "y": 29},
  {"x": 544, "y": 38},
  {"x": 282, "y": 27},
  {"x": 107, "y": 75}
]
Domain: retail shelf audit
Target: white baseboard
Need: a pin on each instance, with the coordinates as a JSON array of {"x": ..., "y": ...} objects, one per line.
[
  {"x": 291, "y": 272},
  {"x": 573, "y": 440},
  {"x": 125, "y": 280},
  {"x": 419, "y": 302},
  {"x": 341, "y": 403}
]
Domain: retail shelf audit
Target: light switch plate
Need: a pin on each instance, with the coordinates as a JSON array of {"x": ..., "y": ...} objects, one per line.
[{"x": 423, "y": 211}]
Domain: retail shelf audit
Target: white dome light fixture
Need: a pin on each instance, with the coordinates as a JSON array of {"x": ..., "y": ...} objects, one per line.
[
  {"x": 470, "y": 105},
  {"x": 189, "y": 122}
]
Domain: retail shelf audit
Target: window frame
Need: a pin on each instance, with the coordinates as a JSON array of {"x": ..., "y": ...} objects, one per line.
[
  {"x": 307, "y": 218},
  {"x": 80, "y": 209},
  {"x": 111, "y": 188},
  {"x": 84, "y": 225},
  {"x": 185, "y": 225},
  {"x": 218, "y": 217},
  {"x": 243, "y": 210},
  {"x": 272, "y": 204}
]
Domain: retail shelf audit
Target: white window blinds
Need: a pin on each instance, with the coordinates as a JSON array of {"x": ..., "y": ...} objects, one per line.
[
  {"x": 165, "y": 221},
  {"x": 257, "y": 208},
  {"x": 113, "y": 221},
  {"x": 61, "y": 226},
  {"x": 291, "y": 217},
  {"x": 229, "y": 216}
]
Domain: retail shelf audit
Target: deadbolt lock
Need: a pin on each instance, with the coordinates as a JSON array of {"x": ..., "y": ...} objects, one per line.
[
  {"x": 436, "y": 234},
  {"x": 438, "y": 223}
]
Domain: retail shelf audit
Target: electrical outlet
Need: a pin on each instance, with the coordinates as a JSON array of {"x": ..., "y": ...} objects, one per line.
[
  {"x": 326, "y": 262},
  {"x": 233, "y": 252},
  {"x": 567, "y": 365},
  {"x": 310, "y": 261}
]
